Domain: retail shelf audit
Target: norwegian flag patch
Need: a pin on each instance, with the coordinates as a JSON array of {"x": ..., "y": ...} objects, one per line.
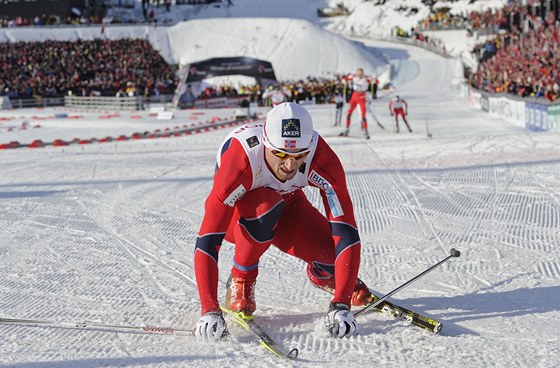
[{"x": 289, "y": 143}]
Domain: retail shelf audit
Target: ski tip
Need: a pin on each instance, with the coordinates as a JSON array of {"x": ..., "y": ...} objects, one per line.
[
  {"x": 455, "y": 253},
  {"x": 293, "y": 354}
]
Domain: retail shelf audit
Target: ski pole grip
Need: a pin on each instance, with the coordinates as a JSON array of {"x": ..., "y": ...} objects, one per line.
[{"x": 455, "y": 253}]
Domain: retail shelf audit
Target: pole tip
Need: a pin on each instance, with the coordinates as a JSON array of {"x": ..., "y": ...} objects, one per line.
[{"x": 455, "y": 253}]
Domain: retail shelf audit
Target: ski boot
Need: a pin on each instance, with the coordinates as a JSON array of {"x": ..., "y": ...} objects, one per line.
[
  {"x": 240, "y": 296},
  {"x": 360, "y": 297}
]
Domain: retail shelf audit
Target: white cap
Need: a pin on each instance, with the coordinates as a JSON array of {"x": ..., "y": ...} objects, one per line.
[{"x": 288, "y": 126}]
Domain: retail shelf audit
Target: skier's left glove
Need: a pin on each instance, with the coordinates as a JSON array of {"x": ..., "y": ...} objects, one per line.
[
  {"x": 340, "y": 321},
  {"x": 211, "y": 327}
]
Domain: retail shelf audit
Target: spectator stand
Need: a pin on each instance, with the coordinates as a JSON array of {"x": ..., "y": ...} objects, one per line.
[
  {"x": 67, "y": 68},
  {"x": 524, "y": 64},
  {"x": 441, "y": 19},
  {"x": 419, "y": 39}
]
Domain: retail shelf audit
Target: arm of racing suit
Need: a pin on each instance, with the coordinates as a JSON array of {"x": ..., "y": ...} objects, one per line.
[
  {"x": 340, "y": 214},
  {"x": 231, "y": 181}
]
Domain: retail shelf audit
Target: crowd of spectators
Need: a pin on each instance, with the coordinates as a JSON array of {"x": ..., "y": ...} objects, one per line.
[
  {"x": 84, "y": 68},
  {"x": 523, "y": 58},
  {"x": 526, "y": 66},
  {"x": 439, "y": 20},
  {"x": 48, "y": 20},
  {"x": 489, "y": 21},
  {"x": 319, "y": 90},
  {"x": 127, "y": 67},
  {"x": 316, "y": 90},
  {"x": 421, "y": 39}
]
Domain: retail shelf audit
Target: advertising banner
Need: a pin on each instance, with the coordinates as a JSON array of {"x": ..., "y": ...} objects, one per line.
[
  {"x": 536, "y": 117},
  {"x": 219, "y": 102},
  {"x": 258, "y": 69},
  {"x": 554, "y": 118}
]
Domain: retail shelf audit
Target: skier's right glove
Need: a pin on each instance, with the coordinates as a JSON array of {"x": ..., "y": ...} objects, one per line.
[
  {"x": 211, "y": 327},
  {"x": 340, "y": 321}
]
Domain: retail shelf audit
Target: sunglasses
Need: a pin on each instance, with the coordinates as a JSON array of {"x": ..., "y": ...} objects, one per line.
[{"x": 285, "y": 155}]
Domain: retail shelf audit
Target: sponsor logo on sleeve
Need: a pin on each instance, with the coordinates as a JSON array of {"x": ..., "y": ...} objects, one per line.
[
  {"x": 252, "y": 141},
  {"x": 334, "y": 203},
  {"x": 235, "y": 195},
  {"x": 332, "y": 198},
  {"x": 318, "y": 180}
]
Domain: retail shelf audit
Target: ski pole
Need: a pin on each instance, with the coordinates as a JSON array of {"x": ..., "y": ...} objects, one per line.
[
  {"x": 454, "y": 253},
  {"x": 98, "y": 326}
]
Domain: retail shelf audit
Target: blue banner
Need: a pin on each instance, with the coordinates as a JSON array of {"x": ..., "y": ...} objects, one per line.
[{"x": 536, "y": 117}]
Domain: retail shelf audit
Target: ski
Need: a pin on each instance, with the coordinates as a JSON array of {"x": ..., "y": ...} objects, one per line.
[
  {"x": 259, "y": 334},
  {"x": 407, "y": 315},
  {"x": 403, "y": 313},
  {"x": 98, "y": 326}
]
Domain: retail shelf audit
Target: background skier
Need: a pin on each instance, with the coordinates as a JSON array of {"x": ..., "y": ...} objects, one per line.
[
  {"x": 399, "y": 107},
  {"x": 360, "y": 85}
]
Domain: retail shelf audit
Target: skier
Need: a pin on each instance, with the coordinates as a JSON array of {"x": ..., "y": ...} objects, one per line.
[
  {"x": 360, "y": 85},
  {"x": 399, "y": 107},
  {"x": 276, "y": 94},
  {"x": 257, "y": 200},
  {"x": 339, "y": 102}
]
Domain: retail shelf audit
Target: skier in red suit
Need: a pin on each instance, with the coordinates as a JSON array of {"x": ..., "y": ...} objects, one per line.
[
  {"x": 257, "y": 201},
  {"x": 399, "y": 107},
  {"x": 360, "y": 85}
]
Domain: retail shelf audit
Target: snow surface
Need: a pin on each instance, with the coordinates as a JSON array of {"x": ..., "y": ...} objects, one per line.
[
  {"x": 296, "y": 48},
  {"x": 105, "y": 233}
]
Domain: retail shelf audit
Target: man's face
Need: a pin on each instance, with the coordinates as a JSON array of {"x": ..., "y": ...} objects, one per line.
[
  {"x": 283, "y": 168},
  {"x": 360, "y": 73}
]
